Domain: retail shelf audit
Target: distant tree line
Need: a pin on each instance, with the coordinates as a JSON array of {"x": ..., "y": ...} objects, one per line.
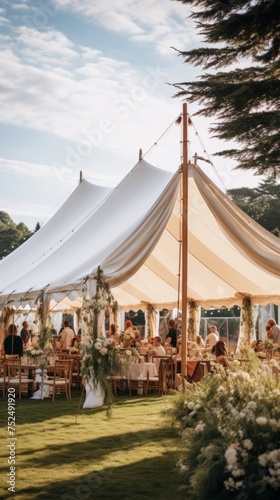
[
  {"x": 12, "y": 235},
  {"x": 260, "y": 203}
]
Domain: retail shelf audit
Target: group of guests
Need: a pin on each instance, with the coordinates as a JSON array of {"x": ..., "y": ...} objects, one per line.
[
  {"x": 272, "y": 333},
  {"x": 14, "y": 343}
]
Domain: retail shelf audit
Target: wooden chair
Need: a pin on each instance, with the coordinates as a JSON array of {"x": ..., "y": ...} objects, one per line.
[
  {"x": 159, "y": 384},
  {"x": 76, "y": 370},
  {"x": 62, "y": 378},
  {"x": 171, "y": 370},
  {"x": 119, "y": 382},
  {"x": 14, "y": 377},
  {"x": 3, "y": 377},
  {"x": 138, "y": 384}
]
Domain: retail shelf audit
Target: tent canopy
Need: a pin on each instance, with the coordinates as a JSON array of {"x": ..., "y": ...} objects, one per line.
[{"x": 132, "y": 232}]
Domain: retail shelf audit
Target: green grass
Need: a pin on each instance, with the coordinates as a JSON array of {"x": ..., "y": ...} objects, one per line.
[{"x": 70, "y": 454}]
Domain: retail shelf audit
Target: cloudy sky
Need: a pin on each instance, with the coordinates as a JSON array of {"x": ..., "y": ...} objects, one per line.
[{"x": 83, "y": 86}]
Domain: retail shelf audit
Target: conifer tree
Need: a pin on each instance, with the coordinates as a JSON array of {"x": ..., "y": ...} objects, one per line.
[{"x": 243, "y": 36}]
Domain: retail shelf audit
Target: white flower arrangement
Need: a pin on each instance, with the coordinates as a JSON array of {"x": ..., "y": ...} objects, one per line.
[
  {"x": 100, "y": 361},
  {"x": 231, "y": 435},
  {"x": 34, "y": 352}
]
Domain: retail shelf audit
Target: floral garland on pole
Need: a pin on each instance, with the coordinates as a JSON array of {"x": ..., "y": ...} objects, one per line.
[
  {"x": 101, "y": 359},
  {"x": 191, "y": 319},
  {"x": 150, "y": 312},
  {"x": 247, "y": 318},
  {"x": 103, "y": 299}
]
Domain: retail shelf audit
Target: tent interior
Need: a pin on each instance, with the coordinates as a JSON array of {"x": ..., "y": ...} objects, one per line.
[{"x": 133, "y": 233}]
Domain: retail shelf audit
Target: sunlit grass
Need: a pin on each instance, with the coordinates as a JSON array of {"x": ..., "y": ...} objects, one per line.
[{"x": 63, "y": 452}]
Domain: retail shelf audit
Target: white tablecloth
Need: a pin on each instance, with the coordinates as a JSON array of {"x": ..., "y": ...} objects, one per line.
[{"x": 140, "y": 370}]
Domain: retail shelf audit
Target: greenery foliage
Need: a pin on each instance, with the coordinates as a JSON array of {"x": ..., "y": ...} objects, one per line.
[
  {"x": 261, "y": 203},
  {"x": 243, "y": 36},
  {"x": 12, "y": 235},
  {"x": 230, "y": 433},
  {"x": 103, "y": 299},
  {"x": 100, "y": 362},
  {"x": 100, "y": 359}
]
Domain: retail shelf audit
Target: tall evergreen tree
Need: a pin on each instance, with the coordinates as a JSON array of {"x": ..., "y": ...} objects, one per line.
[{"x": 243, "y": 35}]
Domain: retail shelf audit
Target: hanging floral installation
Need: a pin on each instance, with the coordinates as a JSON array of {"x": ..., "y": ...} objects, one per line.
[
  {"x": 101, "y": 301},
  {"x": 101, "y": 359}
]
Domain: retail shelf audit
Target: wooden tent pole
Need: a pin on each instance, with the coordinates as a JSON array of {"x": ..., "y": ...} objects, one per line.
[{"x": 184, "y": 242}]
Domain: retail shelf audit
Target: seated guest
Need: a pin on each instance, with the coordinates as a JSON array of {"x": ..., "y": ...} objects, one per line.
[
  {"x": 77, "y": 340},
  {"x": 150, "y": 342},
  {"x": 259, "y": 346},
  {"x": 212, "y": 337},
  {"x": 221, "y": 353},
  {"x": 156, "y": 349},
  {"x": 273, "y": 331},
  {"x": 13, "y": 343},
  {"x": 199, "y": 341}
]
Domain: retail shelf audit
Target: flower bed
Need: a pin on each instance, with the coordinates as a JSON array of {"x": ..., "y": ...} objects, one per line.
[{"x": 231, "y": 429}]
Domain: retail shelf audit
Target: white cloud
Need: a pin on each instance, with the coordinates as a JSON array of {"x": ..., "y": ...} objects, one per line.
[
  {"x": 20, "y": 6},
  {"x": 4, "y": 20},
  {"x": 160, "y": 23},
  {"x": 38, "y": 44}
]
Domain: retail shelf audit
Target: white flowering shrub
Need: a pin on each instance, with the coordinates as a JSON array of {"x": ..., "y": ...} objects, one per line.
[{"x": 231, "y": 434}]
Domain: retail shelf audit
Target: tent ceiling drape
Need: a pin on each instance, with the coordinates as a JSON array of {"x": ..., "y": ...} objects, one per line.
[{"x": 133, "y": 233}]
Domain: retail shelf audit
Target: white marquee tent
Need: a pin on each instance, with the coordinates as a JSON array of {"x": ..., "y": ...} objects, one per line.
[{"x": 133, "y": 233}]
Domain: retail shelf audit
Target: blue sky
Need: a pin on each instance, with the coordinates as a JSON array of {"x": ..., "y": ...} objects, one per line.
[{"x": 83, "y": 86}]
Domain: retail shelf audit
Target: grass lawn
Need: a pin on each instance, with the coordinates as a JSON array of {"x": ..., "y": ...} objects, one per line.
[{"x": 132, "y": 455}]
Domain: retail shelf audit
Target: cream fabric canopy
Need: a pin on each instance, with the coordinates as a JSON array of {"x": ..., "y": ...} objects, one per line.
[{"x": 133, "y": 233}]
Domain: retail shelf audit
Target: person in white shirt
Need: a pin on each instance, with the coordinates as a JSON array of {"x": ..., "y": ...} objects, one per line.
[
  {"x": 213, "y": 337},
  {"x": 157, "y": 350},
  {"x": 66, "y": 336}
]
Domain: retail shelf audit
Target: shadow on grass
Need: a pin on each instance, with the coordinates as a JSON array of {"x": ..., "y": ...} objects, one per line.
[
  {"x": 119, "y": 464},
  {"x": 96, "y": 449},
  {"x": 149, "y": 478},
  {"x": 37, "y": 411}
]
